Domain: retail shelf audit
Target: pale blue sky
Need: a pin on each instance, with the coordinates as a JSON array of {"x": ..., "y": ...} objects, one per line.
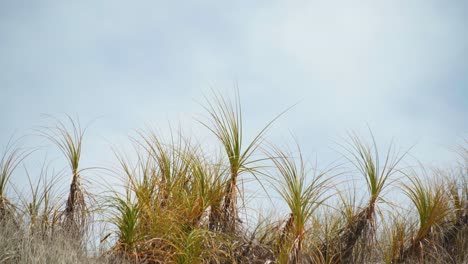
[{"x": 400, "y": 67}]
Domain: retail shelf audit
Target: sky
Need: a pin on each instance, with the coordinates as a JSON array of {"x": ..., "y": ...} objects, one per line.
[{"x": 397, "y": 67}]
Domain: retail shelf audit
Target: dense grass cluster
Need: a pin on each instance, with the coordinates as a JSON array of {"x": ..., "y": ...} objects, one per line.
[{"x": 180, "y": 202}]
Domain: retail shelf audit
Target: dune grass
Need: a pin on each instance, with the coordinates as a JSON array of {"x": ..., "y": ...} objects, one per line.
[
  {"x": 303, "y": 194},
  {"x": 179, "y": 203},
  {"x": 360, "y": 223},
  {"x": 10, "y": 160},
  {"x": 68, "y": 137}
]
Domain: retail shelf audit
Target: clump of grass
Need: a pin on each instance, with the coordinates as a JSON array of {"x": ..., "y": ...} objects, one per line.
[
  {"x": 226, "y": 125},
  {"x": 125, "y": 217},
  {"x": 396, "y": 228},
  {"x": 10, "y": 159},
  {"x": 169, "y": 194},
  {"x": 41, "y": 209},
  {"x": 19, "y": 245},
  {"x": 69, "y": 140},
  {"x": 432, "y": 205},
  {"x": 360, "y": 225},
  {"x": 34, "y": 235},
  {"x": 303, "y": 197},
  {"x": 454, "y": 233}
]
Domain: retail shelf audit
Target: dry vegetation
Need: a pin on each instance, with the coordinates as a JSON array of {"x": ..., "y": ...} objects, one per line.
[{"x": 181, "y": 204}]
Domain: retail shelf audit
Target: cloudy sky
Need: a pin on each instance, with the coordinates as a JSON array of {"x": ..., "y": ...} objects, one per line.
[{"x": 397, "y": 66}]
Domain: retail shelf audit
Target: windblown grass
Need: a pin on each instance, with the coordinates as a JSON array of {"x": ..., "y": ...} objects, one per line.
[
  {"x": 360, "y": 224},
  {"x": 10, "y": 159},
  {"x": 431, "y": 203},
  {"x": 226, "y": 125},
  {"x": 69, "y": 140},
  {"x": 179, "y": 203},
  {"x": 303, "y": 196}
]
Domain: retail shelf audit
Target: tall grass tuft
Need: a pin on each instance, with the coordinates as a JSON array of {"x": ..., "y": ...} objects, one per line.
[
  {"x": 394, "y": 235},
  {"x": 432, "y": 205},
  {"x": 455, "y": 230},
  {"x": 41, "y": 210},
  {"x": 302, "y": 195},
  {"x": 69, "y": 140},
  {"x": 360, "y": 224},
  {"x": 169, "y": 193},
  {"x": 226, "y": 125},
  {"x": 11, "y": 158}
]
